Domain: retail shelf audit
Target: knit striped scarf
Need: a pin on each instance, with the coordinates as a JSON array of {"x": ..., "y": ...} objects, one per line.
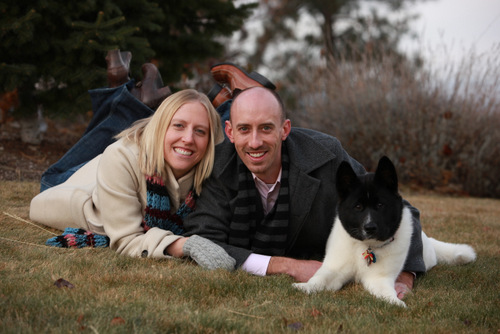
[
  {"x": 157, "y": 212},
  {"x": 250, "y": 228},
  {"x": 78, "y": 238}
]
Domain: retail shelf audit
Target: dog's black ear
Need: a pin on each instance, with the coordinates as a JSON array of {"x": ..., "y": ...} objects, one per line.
[
  {"x": 386, "y": 174},
  {"x": 346, "y": 179}
]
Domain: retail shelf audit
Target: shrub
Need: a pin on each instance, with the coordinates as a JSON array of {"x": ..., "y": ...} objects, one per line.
[{"x": 439, "y": 125}]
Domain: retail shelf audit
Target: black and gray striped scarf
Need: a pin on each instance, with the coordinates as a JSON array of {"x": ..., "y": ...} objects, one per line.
[{"x": 250, "y": 228}]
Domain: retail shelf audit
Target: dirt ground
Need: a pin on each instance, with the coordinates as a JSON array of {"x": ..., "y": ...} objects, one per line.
[{"x": 20, "y": 161}]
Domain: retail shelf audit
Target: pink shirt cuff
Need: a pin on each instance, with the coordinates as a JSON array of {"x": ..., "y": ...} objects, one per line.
[{"x": 256, "y": 264}]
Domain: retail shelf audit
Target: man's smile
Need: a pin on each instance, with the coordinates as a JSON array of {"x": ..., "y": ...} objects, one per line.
[{"x": 256, "y": 154}]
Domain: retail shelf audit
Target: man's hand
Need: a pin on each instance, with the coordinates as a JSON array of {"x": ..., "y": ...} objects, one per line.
[
  {"x": 300, "y": 270},
  {"x": 404, "y": 284}
]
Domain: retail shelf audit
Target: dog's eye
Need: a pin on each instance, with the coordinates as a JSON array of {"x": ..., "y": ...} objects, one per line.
[
  {"x": 358, "y": 207},
  {"x": 380, "y": 205}
]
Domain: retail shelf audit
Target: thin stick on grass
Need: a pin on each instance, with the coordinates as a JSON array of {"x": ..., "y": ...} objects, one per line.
[
  {"x": 244, "y": 314},
  {"x": 28, "y": 243},
  {"x": 27, "y": 222}
]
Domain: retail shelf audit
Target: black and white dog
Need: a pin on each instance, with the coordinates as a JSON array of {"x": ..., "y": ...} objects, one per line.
[{"x": 371, "y": 236}]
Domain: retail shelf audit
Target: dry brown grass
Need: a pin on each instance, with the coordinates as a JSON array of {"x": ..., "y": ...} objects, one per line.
[{"x": 116, "y": 294}]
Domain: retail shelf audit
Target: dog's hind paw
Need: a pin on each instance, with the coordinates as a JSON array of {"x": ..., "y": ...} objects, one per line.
[{"x": 466, "y": 254}]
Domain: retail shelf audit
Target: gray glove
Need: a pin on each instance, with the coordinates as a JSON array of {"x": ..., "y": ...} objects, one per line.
[{"x": 207, "y": 254}]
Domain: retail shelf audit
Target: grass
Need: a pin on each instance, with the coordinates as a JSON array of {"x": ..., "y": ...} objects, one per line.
[{"x": 116, "y": 294}]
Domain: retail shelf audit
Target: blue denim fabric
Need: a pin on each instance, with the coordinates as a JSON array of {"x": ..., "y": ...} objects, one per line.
[
  {"x": 223, "y": 111},
  {"x": 115, "y": 109}
]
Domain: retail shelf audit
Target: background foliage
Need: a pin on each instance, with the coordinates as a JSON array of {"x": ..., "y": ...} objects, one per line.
[
  {"x": 61, "y": 46},
  {"x": 340, "y": 72},
  {"x": 322, "y": 30},
  {"x": 440, "y": 127}
]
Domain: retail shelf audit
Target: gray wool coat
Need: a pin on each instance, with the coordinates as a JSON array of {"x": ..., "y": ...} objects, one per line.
[{"x": 314, "y": 159}]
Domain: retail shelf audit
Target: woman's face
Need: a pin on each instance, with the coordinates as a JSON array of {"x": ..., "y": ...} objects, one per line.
[{"x": 186, "y": 139}]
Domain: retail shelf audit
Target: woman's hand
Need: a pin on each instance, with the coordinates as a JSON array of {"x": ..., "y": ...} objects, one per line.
[
  {"x": 207, "y": 254},
  {"x": 175, "y": 248}
]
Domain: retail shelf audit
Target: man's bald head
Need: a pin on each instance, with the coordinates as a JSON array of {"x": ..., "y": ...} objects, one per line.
[{"x": 261, "y": 97}]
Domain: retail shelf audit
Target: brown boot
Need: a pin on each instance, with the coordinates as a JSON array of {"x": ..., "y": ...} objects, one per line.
[
  {"x": 219, "y": 94},
  {"x": 118, "y": 67},
  {"x": 237, "y": 78},
  {"x": 150, "y": 90}
]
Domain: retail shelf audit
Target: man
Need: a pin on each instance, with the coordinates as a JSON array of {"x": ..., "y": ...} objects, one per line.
[{"x": 271, "y": 200}]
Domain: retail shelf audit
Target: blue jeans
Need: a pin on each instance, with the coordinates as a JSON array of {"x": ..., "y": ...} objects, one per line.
[
  {"x": 115, "y": 109},
  {"x": 223, "y": 111}
]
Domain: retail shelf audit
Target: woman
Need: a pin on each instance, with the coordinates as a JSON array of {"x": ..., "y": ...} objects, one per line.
[{"x": 138, "y": 191}]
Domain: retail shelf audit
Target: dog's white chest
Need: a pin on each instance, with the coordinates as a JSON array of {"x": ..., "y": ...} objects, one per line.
[
  {"x": 348, "y": 259},
  {"x": 368, "y": 256}
]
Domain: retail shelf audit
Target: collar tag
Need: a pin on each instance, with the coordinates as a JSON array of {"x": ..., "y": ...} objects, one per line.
[{"x": 369, "y": 256}]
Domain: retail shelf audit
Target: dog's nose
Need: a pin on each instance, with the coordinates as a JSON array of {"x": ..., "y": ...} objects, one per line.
[{"x": 370, "y": 228}]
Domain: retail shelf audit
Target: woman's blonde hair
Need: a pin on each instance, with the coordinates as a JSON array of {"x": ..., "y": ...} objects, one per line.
[{"x": 149, "y": 134}]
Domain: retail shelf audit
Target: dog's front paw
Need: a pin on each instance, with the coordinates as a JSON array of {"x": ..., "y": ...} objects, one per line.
[
  {"x": 306, "y": 287},
  {"x": 397, "y": 302},
  {"x": 391, "y": 298}
]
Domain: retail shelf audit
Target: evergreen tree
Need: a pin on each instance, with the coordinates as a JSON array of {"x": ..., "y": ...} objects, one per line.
[
  {"x": 346, "y": 32},
  {"x": 60, "y": 47}
]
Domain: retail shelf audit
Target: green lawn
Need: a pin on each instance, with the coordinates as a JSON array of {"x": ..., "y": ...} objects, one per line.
[{"x": 114, "y": 293}]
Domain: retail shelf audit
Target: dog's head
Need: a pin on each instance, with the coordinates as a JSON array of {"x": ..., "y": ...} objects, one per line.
[{"x": 370, "y": 207}]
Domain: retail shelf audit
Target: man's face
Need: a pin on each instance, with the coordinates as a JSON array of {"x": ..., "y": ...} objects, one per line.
[{"x": 257, "y": 131}]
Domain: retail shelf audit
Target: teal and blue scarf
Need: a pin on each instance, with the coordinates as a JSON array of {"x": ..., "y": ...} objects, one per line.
[{"x": 158, "y": 208}]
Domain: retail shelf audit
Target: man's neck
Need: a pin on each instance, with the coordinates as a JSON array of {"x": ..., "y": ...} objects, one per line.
[
  {"x": 270, "y": 177},
  {"x": 276, "y": 179}
]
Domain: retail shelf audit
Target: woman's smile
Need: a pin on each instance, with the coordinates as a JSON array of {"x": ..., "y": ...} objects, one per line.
[{"x": 183, "y": 151}]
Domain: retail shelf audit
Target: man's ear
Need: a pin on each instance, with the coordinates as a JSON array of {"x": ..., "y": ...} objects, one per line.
[
  {"x": 287, "y": 127},
  {"x": 228, "y": 129}
]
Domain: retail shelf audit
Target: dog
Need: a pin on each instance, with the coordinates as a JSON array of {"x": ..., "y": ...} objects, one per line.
[{"x": 371, "y": 236}]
